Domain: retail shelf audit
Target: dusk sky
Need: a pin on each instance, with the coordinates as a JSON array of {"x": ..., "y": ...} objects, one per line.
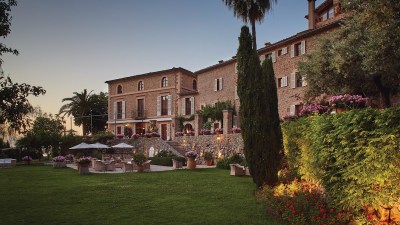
[{"x": 68, "y": 45}]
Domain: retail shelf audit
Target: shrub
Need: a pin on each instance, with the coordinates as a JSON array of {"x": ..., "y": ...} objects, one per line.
[
  {"x": 301, "y": 203},
  {"x": 354, "y": 155},
  {"x": 208, "y": 156},
  {"x": 224, "y": 162},
  {"x": 161, "y": 161},
  {"x": 139, "y": 158}
]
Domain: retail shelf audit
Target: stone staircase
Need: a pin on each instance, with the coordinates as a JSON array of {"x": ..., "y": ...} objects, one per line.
[{"x": 178, "y": 147}]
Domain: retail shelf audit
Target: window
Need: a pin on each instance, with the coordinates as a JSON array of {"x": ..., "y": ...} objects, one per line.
[
  {"x": 140, "y": 86},
  {"x": 119, "y": 110},
  {"x": 164, "y": 105},
  {"x": 218, "y": 84},
  {"x": 188, "y": 106},
  {"x": 328, "y": 14},
  {"x": 164, "y": 82},
  {"x": 282, "y": 82},
  {"x": 298, "y": 49},
  {"x": 119, "y": 89},
  {"x": 279, "y": 52},
  {"x": 295, "y": 109},
  {"x": 194, "y": 85},
  {"x": 140, "y": 108}
]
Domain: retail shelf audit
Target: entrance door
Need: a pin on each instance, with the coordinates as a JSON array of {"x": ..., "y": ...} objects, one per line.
[
  {"x": 140, "y": 128},
  {"x": 164, "y": 131}
]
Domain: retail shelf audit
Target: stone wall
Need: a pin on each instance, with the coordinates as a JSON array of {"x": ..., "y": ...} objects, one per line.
[
  {"x": 142, "y": 145},
  {"x": 223, "y": 145}
]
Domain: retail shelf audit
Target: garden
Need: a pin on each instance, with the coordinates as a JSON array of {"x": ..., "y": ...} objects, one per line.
[{"x": 32, "y": 194}]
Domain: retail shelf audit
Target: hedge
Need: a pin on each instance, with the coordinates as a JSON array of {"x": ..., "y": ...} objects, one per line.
[{"x": 354, "y": 155}]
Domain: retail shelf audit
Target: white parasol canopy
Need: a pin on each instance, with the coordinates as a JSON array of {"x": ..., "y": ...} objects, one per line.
[
  {"x": 82, "y": 145},
  {"x": 122, "y": 145},
  {"x": 98, "y": 145}
]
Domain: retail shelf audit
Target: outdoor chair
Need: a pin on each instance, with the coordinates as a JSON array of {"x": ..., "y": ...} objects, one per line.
[
  {"x": 110, "y": 166},
  {"x": 237, "y": 170},
  {"x": 99, "y": 166},
  {"x": 127, "y": 166}
]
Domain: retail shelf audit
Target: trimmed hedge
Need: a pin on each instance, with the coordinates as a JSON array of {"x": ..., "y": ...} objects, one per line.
[
  {"x": 354, "y": 155},
  {"x": 165, "y": 160}
]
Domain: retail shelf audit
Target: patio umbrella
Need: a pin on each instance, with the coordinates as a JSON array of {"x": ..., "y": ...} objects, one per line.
[
  {"x": 82, "y": 145},
  {"x": 98, "y": 145},
  {"x": 122, "y": 145}
]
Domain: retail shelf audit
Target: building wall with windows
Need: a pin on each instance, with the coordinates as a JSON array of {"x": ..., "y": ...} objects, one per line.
[{"x": 169, "y": 94}]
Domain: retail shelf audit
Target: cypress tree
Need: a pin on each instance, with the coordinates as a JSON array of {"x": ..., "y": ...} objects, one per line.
[{"x": 261, "y": 142}]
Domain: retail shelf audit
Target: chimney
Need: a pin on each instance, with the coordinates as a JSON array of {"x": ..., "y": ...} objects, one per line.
[
  {"x": 311, "y": 14},
  {"x": 220, "y": 61}
]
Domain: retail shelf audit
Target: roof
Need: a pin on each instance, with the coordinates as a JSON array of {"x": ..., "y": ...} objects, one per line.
[
  {"x": 271, "y": 47},
  {"x": 174, "y": 69}
]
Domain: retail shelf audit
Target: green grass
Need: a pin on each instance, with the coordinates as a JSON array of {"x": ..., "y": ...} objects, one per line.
[{"x": 43, "y": 195}]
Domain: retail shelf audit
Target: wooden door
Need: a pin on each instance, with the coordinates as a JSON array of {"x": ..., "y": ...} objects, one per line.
[{"x": 164, "y": 131}]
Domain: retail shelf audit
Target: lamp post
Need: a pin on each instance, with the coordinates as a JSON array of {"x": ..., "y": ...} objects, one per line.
[{"x": 91, "y": 122}]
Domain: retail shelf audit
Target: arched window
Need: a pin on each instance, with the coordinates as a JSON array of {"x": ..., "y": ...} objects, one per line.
[
  {"x": 119, "y": 89},
  {"x": 164, "y": 82},
  {"x": 140, "y": 86},
  {"x": 194, "y": 85}
]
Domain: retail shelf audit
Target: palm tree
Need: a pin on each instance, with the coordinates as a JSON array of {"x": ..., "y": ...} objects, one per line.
[
  {"x": 79, "y": 106},
  {"x": 250, "y": 11}
]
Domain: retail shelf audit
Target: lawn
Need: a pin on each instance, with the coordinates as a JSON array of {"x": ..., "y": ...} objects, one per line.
[{"x": 43, "y": 195}]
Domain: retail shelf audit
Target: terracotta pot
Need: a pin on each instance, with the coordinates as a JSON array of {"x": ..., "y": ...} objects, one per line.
[
  {"x": 84, "y": 169},
  {"x": 140, "y": 168},
  {"x": 191, "y": 164},
  {"x": 209, "y": 162},
  {"x": 340, "y": 110}
]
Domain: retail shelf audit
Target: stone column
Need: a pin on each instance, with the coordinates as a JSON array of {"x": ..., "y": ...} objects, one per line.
[
  {"x": 227, "y": 118},
  {"x": 198, "y": 123}
]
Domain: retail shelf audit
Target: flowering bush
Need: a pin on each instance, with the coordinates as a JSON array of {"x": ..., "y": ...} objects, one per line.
[
  {"x": 301, "y": 203},
  {"x": 136, "y": 136},
  {"x": 313, "y": 109},
  {"x": 148, "y": 135},
  {"x": 218, "y": 131},
  {"x": 348, "y": 101},
  {"x": 26, "y": 158},
  {"x": 191, "y": 154},
  {"x": 155, "y": 134},
  {"x": 236, "y": 130},
  {"x": 69, "y": 157},
  {"x": 84, "y": 160},
  {"x": 179, "y": 134},
  {"x": 205, "y": 131},
  {"x": 59, "y": 159}
]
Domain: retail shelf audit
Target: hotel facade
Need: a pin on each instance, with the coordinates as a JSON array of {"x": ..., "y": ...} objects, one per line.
[{"x": 154, "y": 101}]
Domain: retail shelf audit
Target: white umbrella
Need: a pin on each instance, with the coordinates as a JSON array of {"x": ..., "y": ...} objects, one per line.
[
  {"x": 122, "y": 145},
  {"x": 98, "y": 145},
  {"x": 82, "y": 145}
]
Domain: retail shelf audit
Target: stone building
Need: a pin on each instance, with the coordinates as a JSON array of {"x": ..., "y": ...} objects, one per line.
[{"x": 163, "y": 98}]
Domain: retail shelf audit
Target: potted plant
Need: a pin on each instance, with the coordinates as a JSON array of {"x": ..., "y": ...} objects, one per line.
[
  {"x": 236, "y": 130},
  {"x": 139, "y": 159},
  {"x": 59, "y": 162},
  {"x": 208, "y": 157},
  {"x": 191, "y": 163},
  {"x": 27, "y": 159},
  {"x": 83, "y": 164},
  {"x": 218, "y": 131}
]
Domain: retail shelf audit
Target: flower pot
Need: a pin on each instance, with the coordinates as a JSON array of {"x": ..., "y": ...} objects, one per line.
[
  {"x": 191, "y": 164},
  {"x": 83, "y": 168},
  {"x": 340, "y": 110},
  {"x": 140, "y": 168},
  {"x": 209, "y": 162},
  {"x": 59, "y": 164}
]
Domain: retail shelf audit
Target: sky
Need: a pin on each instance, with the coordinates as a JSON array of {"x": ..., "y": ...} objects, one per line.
[{"x": 67, "y": 46}]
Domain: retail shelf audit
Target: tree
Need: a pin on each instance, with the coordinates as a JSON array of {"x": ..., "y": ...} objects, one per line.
[
  {"x": 362, "y": 56},
  {"x": 250, "y": 11},
  {"x": 46, "y": 133},
  {"x": 14, "y": 105},
  {"x": 257, "y": 114},
  {"x": 5, "y": 24},
  {"x": 89, "y": 110}
]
